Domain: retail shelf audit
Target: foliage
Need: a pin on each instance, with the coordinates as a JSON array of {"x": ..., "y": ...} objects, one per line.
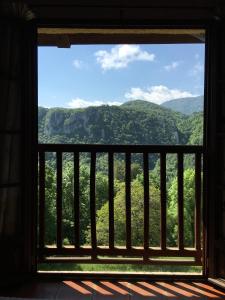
[
  {"x": 136, "y": 122},
  {"x": 189, "y": 209},
  {"x": 50, "y": 205},
  {"x": 137, "y": 216}
]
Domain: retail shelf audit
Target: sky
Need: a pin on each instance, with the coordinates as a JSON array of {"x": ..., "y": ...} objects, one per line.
[{"x": 86, "y": 75}]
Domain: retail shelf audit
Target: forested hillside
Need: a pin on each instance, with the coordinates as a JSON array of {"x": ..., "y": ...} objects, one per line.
[
  {"x": 134, "y": 122},
  {"x": 186, "y": 106}
]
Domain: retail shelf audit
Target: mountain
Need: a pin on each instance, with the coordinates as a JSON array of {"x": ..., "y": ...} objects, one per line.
[
  {"x": 134, "y": 122},
  {"x": 151, "y": 108},
  {"x": 185, "y": 106},
  {"x": 193, "y": 128}
]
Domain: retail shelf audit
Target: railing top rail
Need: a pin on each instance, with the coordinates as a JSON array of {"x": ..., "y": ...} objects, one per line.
[{"x": 120, "y": 148}]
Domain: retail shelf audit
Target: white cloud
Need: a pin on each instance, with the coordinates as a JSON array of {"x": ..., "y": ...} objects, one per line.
[
  {"x": 81, "y": 103},
  {"x": 157, "y": 94},
  {"x": 44, "y": 105},
  {"x": 172, "y": 66},
  {"x": 78, "y": 64},
  {"x": 121, "y": 55}
]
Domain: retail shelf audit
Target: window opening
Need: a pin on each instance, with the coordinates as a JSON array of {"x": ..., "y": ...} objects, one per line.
[{"x": 120, "y": 150}]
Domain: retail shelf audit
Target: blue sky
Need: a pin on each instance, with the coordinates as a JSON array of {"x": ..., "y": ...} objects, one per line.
[{"x": 85, "y": 75}]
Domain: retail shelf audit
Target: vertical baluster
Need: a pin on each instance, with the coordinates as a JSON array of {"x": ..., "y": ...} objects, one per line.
[
  {"x": 76, "y": 200},
  {"x": 198, "y": 201},
  {"x": 41, "y": 200},
  {"x": 93, "y": 204},
  {"x": 146, "y": 201},
  {"x": 59, "y": 199},
  {"x": 163, "y": 199},
  {"x": 180, "y": 182},
  {"x": 128, "y": 200},
  {"x": 111, "y": 199}
]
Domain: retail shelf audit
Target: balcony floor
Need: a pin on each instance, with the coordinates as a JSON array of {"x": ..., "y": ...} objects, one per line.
[{"x": 118, "y": 290}]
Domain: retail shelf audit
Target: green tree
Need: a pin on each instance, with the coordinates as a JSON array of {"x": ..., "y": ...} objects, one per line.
[
  {"x": 119, "y": 169},
  {"x": 68, "y": 202},
  {"x": 189, "y": 209},
  {"x": 50, "y": 205},
  {"x": 84, "y": 199},
  {"x": 137, "y": 215}
]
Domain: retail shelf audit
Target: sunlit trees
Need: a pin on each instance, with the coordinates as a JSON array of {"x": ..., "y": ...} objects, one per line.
[
  {"x": 189, "y": 209},
  {"x": 102, "y": 206},
  {"x": 50, "y": 205},
  {"x": 137, "y": 215}
]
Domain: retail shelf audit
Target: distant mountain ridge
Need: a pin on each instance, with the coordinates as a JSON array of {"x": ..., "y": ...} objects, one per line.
[
  {"x": 134, "y": 122},
  {"x": 185, "y": 106}
]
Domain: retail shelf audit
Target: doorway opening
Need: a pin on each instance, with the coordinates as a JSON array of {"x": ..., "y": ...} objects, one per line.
[{"x": 121, "y": 139}]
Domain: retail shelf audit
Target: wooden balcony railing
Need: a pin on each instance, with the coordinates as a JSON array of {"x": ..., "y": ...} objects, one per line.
[{"x": 127, "y": 253}]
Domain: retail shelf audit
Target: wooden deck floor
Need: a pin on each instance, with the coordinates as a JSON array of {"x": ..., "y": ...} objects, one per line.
[{"x": 118, "y": 290}]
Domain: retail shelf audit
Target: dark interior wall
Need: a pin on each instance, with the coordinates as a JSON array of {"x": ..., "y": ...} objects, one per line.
[
  {"x": 216, "y": 216},
  {"x": 17, "y": 142},
  {"x": 121, "y": 11}
]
